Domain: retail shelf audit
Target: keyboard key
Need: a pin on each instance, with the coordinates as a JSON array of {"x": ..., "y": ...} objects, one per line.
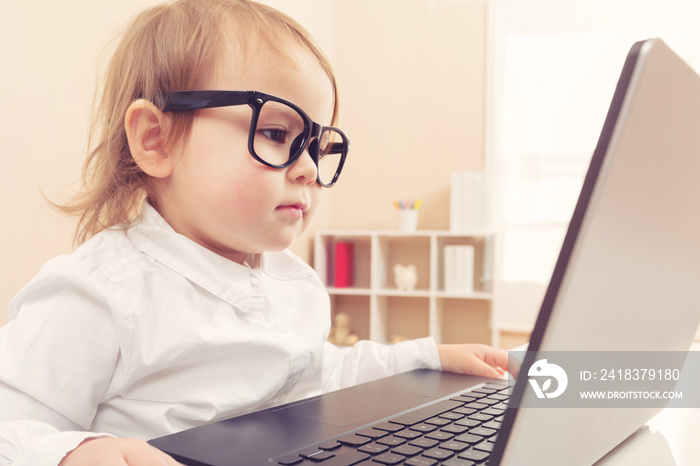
[
  {"x": 331, "y": 445},
  {"x": 454, "y": 429},
  {"x": 476, "y": 405},
  {"x": 465, "y": 411},
  {"x": 438, "y": 453},
  {"x": 373, "y": 448},
  {"x": 426, "y": 412},
  {"x": 353, "y": 440},
  {"x": 421, "y": 461},
  {"x": 481, "y": 417},
  {"x": 454, "y": 446},
  {"x": 489, "y": 401},
  {"x": 389, "y": 458},
  {"x": 423, "y": 428},
  {"x": 458, "y": 462},
  {"x": 474, "y": 455},
  {"x": 440, "y": 436},
  {"x": 452, "y": 416},
  {"x": 310, "y": 453},
  {"x": 493, "y": 425},
  {"x": 322, "y": 457},
  {"x": 483, "y": 431},
  {"x": 492, "y": 411},
  {"x": 372, "y": 433},
  {"x": 469, "y": 438},
  {"x": 347, "y": 458},
  {"x": 497, "y": 386},
  {"x": 438, "y": 421},
  {"x": 485, "y": 446},
  {"x": 468, "y": 422},
  {"x": 408, "y": 434},
  {"x": 391, "y": 441},
  {"x": 407, "y": 450},
  {"x": 290, "y": 460},
  {"x": 319, "y": 456},
  {"x": 488, "y": 391},
  {"x": 423, "y": 443},
  {"x": 388, "y": 426}
]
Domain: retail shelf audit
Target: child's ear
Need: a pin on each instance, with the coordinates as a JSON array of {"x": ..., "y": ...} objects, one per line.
[{"x": 146, "y": 131}]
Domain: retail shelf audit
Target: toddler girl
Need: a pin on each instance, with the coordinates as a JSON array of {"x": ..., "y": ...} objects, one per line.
[{"x": 212, "y": 145}]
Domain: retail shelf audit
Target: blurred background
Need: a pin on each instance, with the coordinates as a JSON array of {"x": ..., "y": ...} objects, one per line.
[{"x": 517, "y": 89}]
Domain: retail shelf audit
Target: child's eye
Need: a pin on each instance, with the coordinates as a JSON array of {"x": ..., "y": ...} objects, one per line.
[{"x": 273, "y": 134}]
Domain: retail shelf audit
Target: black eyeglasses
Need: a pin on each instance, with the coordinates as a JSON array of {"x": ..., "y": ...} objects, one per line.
[{"x": 279, "y": 130}]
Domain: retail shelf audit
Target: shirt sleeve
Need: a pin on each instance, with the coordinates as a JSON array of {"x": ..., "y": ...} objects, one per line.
[
  {"x": 32, "y": 443},
  {"x": 57, "y": 356},
  {"x": 367, "y": 361}
]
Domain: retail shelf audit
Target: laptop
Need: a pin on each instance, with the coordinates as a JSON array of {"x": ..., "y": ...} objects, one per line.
[{"x": 625, "y": 280}]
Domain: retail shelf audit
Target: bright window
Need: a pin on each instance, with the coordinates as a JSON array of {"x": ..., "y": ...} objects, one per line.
[{"x": 554, "y": 66}]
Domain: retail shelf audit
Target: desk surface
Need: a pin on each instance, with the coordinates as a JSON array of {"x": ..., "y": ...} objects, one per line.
[{"x": 671, "y": 438}]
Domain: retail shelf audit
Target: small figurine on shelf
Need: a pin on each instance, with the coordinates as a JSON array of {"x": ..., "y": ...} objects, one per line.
[
  {"x": 405, "y": 277},
  {"x": 341, "y": 334}
]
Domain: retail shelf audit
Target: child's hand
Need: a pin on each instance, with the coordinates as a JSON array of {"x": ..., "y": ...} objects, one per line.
[
  {"x": 116, "y": 452},
  {"x": 474, "y": 359}
]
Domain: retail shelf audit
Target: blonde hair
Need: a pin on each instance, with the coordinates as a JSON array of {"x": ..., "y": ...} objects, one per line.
[{"x": 173, "y": 46}]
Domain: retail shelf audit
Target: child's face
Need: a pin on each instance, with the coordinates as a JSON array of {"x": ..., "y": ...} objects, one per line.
[{"x": 222, "y": 198}]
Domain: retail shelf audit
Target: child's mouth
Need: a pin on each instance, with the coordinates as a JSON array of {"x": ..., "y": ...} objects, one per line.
[{"x": 292, "y": 210}]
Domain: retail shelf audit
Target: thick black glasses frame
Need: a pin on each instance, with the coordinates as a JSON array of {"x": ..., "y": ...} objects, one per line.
[{"x": 180, "y": 101}]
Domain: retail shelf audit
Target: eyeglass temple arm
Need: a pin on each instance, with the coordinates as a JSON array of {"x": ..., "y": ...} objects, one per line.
[
  {"x": 335, "y": 148},
  {"x": 180, "y": 101}
]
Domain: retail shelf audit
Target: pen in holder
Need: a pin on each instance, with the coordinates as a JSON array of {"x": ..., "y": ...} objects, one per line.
[{"x": 407, "y": 214}]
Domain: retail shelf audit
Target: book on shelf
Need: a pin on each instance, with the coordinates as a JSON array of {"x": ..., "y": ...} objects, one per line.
[
  {"x": 344, "y": 267},
  {"x": 458, "y": 271},
  {"x": 469, "y": 201}
]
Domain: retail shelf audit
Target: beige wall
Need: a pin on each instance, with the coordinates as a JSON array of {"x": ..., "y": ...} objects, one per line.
[
  {"x": 412, "y": 90},
  {"x": 50, "y": 52},
  {"x": 412, "y": 87}
]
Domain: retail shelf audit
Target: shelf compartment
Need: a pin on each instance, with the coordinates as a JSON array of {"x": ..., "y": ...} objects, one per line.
[
  {"x": 357, "y": 308},
  {"x": 361, "y": 263},
  {"x": 404, "y": 250},
  {"x": 483, "y": 276},
  {"x": 402, "y": 318}
]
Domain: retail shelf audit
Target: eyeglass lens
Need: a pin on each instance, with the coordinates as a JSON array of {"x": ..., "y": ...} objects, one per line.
[
  {"x": 279, "y": 136},
  {"x": 331, "y": 148}
]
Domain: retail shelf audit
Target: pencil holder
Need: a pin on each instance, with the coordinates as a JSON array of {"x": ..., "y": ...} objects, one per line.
[{"x": 408, "y": 219}]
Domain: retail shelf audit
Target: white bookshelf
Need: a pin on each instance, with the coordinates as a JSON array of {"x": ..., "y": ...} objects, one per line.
[{"x": 379, "y": 311}]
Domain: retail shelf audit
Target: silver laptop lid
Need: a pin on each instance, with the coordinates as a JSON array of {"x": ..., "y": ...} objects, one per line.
[{"x": 628, "y": 275}]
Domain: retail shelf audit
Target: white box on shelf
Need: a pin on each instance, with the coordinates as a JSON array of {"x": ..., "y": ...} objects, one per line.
[{"x": 459, "y": 269}]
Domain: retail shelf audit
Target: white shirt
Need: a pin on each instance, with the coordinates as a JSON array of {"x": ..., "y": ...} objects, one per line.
[{"x": 141, "y": 332}]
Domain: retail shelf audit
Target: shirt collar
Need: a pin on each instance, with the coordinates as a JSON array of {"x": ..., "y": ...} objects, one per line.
[{"x": 229, "y": 280}]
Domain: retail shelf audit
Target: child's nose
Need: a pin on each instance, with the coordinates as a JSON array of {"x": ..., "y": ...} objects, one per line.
[{"x": 304, "y": 170}]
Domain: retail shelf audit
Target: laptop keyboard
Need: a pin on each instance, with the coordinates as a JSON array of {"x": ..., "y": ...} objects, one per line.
[{"x": 459, "y": 431}]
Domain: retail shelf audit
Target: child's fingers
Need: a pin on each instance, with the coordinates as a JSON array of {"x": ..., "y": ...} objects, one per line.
[
  {"x": 483, "y": 369},
  {"x": 117, "y": 452}
]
